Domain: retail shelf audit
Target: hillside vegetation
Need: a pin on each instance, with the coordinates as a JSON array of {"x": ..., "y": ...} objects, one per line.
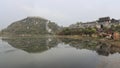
[{"x": 32, "y": 25}]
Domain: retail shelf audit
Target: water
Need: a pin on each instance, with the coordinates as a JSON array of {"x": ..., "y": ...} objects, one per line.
[{"x": 52, "y": 52}]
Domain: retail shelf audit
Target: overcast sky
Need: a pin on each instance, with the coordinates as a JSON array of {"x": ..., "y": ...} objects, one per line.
[{"x": 63, "y": 12}]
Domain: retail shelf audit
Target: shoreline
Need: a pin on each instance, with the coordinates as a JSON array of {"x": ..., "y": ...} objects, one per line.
[{"x": 105, "y": 41}]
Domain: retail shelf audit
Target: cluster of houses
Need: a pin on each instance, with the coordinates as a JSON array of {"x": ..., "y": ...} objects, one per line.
[{"x": 100, "y": 23}]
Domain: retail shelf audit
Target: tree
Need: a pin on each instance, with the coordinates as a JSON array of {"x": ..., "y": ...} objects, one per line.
[{"x": 89, "y": 31}]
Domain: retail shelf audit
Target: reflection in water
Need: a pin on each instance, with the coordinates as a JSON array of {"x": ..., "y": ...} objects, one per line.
[
  {"x": 51, "y": 52},
  {"x": 11, "y": 57},
  {"x": 100, "y": 48},
  {"x": 33, "y": 45}
]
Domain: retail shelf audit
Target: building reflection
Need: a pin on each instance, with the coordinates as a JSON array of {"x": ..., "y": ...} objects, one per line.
[{"x": 33, "y": 45}]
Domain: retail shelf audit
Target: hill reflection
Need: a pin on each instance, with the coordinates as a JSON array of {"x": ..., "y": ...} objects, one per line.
[{"x": 33, "y": 45}]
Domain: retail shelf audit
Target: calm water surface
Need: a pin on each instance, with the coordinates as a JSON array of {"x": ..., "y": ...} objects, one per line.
[{"x": 51, "y": 52}]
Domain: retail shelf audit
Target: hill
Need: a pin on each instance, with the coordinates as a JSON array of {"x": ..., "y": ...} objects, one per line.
[{"x": 32, "y": 25}]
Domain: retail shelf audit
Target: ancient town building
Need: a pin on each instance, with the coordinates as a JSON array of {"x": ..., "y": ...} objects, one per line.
[{"x": 100, "y": 23}]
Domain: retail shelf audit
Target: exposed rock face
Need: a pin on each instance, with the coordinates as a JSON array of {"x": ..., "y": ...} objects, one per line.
[{"x": 32, "y": 25}]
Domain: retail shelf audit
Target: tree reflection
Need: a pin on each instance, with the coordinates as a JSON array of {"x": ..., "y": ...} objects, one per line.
[
  {"x": 33, "y": 45},
  {"x": 92, "y": 44}
]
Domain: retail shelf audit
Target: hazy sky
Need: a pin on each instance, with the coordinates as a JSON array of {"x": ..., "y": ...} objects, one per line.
[{"x": 64, "y": 12}]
